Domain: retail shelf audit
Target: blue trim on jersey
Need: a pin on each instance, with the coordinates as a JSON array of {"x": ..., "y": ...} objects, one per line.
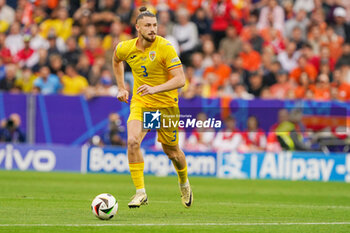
[{"x": 174, "y": 65}]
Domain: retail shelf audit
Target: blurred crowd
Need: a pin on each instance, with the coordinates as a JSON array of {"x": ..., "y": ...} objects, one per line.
[{"x": 269, "y": 49}]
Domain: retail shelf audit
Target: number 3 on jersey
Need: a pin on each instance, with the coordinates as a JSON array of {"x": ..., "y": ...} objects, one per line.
[
  {"x": 174, "y": 136},
  {"x": 145, "y": 74}
]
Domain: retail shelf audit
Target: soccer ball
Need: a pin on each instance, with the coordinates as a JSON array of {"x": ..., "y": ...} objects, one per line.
[{"x": 104, "y": 206}]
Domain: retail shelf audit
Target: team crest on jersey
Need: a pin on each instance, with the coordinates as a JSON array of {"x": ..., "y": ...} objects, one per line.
[{"x": 152, "y": 55}]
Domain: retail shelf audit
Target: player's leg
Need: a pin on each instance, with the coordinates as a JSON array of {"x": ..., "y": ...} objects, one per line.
[
  {"x": 136, "y": 163},
  {"x": 169, "y": 137},
  {"x": 177, "y": 156}
]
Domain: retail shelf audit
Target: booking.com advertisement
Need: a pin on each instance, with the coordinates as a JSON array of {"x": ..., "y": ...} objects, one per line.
[{"x": 114, "y": 160}]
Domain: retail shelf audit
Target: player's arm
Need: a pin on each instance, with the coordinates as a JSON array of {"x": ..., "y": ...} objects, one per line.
[
  {"x": 178, "y": 80},
  {"x": 118, "y": 70}
]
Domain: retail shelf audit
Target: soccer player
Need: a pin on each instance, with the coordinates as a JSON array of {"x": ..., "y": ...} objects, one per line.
[{"x": 158, "y": 73}]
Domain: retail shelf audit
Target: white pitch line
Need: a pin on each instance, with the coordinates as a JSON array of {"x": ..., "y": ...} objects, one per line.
[
  {"x": 178, "y": 224},
  {"x": 270, "y": 205},
  {"x": 282, "y": 205}
]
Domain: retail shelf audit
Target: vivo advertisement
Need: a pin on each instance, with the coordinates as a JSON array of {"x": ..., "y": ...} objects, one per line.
[
  {"x": 310, "y": 166},
  {"x": 40, "y": 158}
]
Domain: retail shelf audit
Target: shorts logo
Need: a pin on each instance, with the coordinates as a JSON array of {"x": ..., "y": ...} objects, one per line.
[
  {"x": 152, "y": 55},
  {"x": 151, "y": 120}
]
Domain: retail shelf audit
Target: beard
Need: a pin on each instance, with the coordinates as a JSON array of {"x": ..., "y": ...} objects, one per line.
[{"x": 148, "y": 38}]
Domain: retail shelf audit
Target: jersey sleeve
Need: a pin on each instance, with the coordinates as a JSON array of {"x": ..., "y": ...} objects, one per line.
[
  {"x": 119, "y": 52},
  {"x": 172, "y": 61}
]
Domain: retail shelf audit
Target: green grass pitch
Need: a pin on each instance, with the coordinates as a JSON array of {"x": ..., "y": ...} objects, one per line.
[{"x": 60, "y": 202}]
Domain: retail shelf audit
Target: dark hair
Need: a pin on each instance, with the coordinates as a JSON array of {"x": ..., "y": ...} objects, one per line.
[
  {"x": 70, "y": 66},
  {"x": 144, "y": 13},
  {"x": 10, "y": 123}
]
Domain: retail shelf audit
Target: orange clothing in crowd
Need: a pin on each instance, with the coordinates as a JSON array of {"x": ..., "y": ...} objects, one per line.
[
  {"x": 173, "y": 4},
  {"x": 222, "y": 71},
  {"x": 322, "y": 93},
  {"x": 246, "y": 33},
  {"x": 299, "y": 92},
  {"x": 335, "y": 47},
  {"x": 192, "y": 6},
  {"x": 139, "y": 3},
  {"x": 344, "y": 92},
  {"x": 309, "y": 69},
  {"x": 52, "y": 4},
  {"x": 251, "y": 61}
]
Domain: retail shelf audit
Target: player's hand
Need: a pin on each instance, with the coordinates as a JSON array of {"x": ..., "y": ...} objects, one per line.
[
  {"x": 123, "y": 95},
  {"x": 146, "y": 90}
]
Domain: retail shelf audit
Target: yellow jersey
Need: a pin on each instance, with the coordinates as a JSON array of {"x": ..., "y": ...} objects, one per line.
[
  {"x": 62, "y": 29},
  {"x": 151, "y": 67},
  {"x": 74, "y": 86}
]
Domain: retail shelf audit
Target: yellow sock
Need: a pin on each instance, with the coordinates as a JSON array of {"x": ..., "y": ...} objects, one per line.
[
  {"x": 136, "y": 171},
  {"x": 182, "y": 174}
]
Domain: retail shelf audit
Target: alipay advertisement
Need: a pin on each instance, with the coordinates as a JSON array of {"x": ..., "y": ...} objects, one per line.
[{"x": 310, "y": 166}]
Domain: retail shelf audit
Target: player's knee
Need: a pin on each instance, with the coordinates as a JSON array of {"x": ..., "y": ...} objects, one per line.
[
  {"x": 172, "y": 155},
  {"x": 133, "y": 144},
  {"x": 171, "y": 152}
]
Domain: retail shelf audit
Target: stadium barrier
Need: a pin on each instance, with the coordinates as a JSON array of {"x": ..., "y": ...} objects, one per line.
[
  {"x": 73, "y": 120},
  {"x": 310, "y": 166}
]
